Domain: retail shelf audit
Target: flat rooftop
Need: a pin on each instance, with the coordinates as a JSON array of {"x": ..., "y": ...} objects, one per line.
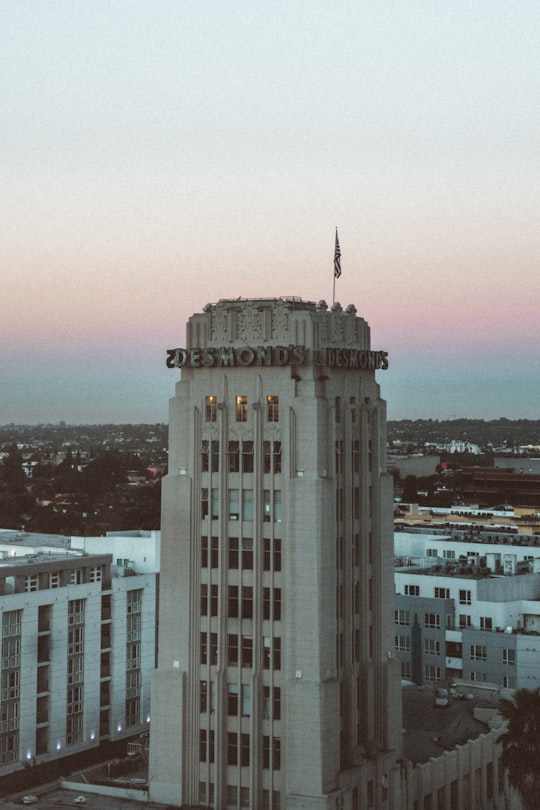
[{"x": 430, "y": 730}]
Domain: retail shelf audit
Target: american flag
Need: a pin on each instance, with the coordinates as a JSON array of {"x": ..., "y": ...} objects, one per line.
[{"x": 337, "y": 258}]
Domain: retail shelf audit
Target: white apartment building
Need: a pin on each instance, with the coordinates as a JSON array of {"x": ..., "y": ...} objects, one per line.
[
  {"x": 469, "y": 609},
  {"x": 78, "y": 643}
]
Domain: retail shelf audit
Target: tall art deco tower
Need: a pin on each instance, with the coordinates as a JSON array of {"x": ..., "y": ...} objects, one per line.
[{"x": 276, "y": 688}]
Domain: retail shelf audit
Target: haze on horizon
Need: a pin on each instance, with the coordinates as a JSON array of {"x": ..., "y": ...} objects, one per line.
[{"x": 158, "y": 156}]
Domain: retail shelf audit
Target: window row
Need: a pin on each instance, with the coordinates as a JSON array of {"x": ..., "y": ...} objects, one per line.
[
  {"x": 57, "y": 579},
  {"x": 241, "y": 505},
  {"x": 241, "y": 408},
  {"x": 240, "y": 651},
  {"x": 355, "y": 456},
  {"x": 240, "y": 553},
  {"x": 239, "y": 699}
]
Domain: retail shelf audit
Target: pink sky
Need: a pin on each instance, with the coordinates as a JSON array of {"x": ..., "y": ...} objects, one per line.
[{"x": 155, "y": 158}]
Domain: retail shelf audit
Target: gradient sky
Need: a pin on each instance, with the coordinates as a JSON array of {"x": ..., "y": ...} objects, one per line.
[{"x": 158, "y": 155}]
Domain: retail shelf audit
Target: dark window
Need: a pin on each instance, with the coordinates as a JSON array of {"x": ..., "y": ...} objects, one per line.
[
  {"x": 213, "y": 648},
  {"x": 233, "y": 454},
  {"x": 232, "y": 748},
  {"x": 203, "y": 755},
  {"x": 204, "y": 648},
  {"x": 233, "y": 552},
  {"x": 203, "y": 696},
  {"x": 214, "y": 456},
  {"x": 247, "y": 602},
  {"x": 277, "y": 604},
  {"x": 244, "y": 749},
  {"x": 276, "y": 702},
  {"x": 232, "y": 699},
  {"x": 277, "y": 554},
  {"x": 356, "y": 456},
  {"x": 247, "y": 553},
  {"x": 233, "y": 601},
  {"x": 209, "y": 456},
  {"x": 247, "y": 651},
  {"x": 276, "y": 455},
  {"x": 267, "y": 554},
  {"x": 232, "y": 649},
  {"x": 276, "y": 754},
  {"x": 214, "y": 552},
  {"x": 247, "y": 457},
  {"x": 204, "y": 600},
  {"x": 204, "y": 503},
  {"x": 204, "y": 552},
  {"x": 205, "y": 455},
  {"x": 213, "y": 600},
  {"x": 267, "y": 454}
]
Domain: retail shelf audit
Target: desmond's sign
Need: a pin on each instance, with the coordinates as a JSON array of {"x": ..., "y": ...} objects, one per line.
[{"x": 230, "y": 357}]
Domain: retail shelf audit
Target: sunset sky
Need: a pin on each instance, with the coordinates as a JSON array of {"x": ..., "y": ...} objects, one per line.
[{"x": 159, "y": 155}]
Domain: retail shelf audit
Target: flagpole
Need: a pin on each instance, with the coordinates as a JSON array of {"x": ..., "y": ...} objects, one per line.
[{"x": 337, "y": 266}]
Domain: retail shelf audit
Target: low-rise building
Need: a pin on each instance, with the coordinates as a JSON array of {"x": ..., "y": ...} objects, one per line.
[
  {"x": 468, "y": 609},
  {"x": 78, "y": 642}
]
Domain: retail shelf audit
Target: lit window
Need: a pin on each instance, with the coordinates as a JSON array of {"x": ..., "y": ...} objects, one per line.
[
  {"x": 272, "y": 403},
  {"x": 211, "y": 409},
  {"x": 241, "y": 409}
]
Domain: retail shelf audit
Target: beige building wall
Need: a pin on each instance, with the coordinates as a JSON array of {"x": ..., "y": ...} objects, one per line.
[{"x": 276, "y": 685}]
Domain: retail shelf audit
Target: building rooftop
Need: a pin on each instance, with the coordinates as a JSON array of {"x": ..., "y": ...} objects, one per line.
[{"x": 430, "y": 730}]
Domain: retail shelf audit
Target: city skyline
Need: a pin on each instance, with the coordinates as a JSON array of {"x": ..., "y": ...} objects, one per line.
[{"x": 159, "y": 157}]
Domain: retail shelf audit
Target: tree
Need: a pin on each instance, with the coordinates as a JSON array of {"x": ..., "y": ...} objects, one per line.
[{"x": 521, "y": 744}]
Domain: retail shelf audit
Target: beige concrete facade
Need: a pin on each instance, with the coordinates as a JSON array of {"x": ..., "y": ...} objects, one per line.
[{"x": 276, "y": 685}]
